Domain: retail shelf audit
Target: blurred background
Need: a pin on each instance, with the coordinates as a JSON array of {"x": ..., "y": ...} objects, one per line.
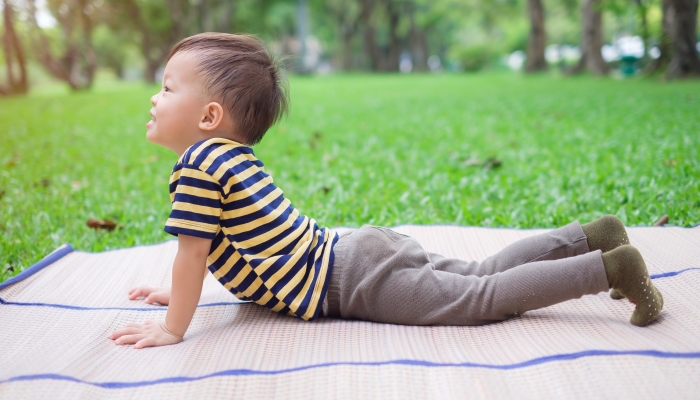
[
  {"x": 75, "y": 41},
  {"x": 503, "y": 113}
]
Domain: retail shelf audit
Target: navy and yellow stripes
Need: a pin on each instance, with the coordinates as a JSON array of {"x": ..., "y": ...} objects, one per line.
[{"x": 262, "y": 248}]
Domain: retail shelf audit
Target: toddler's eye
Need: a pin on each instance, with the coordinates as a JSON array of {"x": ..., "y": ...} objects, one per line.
[{"x": 165, "y": 88}]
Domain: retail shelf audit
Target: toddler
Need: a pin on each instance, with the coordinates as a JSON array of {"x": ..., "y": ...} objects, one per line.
[{"x": 220, "y": 94}]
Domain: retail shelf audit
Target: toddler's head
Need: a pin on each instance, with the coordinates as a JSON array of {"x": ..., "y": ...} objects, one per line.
[{"x": 217, "y": 85}]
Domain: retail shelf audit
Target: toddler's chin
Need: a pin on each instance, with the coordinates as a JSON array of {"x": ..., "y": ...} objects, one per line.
[{"x": 151, "y": 135}]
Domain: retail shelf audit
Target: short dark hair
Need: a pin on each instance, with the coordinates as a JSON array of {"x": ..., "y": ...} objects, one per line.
[{"x": 243, "y": 75}]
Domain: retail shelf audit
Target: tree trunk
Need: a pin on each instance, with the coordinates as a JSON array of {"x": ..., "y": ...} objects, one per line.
[
  {"x": 346, "y": 18},
  {"x": 302, "y": 34},
  {"x": 660, "y": 63},
  {"x": 391, "y": 61},
  {"x": 419, "y": 47},
  {"x": 538, "y": 38},
  {"x": 205, "y": 15},
  {"x": 152, "y": 66},
  {"x": 77, "y": 66},
  {"x": 88, "y": 52},
  {"x": 371, "y": 50},
  {"x": 642, "y": 11},
  {"x": 592, "y": 40},
  {"x": 154, "y": 49},
  {"x": 681, "y": 16},
  {"x": 226, "y": 14},
  {"x": 13, "y": 49},
  {"x": 347, "y": 53}
]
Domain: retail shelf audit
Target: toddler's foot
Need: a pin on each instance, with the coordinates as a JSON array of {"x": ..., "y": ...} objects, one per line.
[
  {"x": 605, "y": 234},
  {"x": 627, "y": 274}
]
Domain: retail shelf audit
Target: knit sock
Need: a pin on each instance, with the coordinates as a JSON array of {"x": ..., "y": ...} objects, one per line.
[
  {"x": 605, "y": 234},
  {"x": 627, "y": 273}
]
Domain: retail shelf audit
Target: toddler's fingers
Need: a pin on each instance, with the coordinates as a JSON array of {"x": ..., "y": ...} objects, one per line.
[
  {"x": 159, "y": 297},
  {"x": 129, "y": 339},
  {"x": 124, "y": 331},
  {"x": 135, "y": 293},
  {"x": 146, "y": 342}
]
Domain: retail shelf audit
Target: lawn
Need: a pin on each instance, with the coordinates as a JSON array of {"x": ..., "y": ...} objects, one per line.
[{"x": 489, "y": 150}]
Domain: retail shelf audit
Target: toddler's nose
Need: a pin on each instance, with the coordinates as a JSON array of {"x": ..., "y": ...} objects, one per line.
[{"x": 154, "y": 98}]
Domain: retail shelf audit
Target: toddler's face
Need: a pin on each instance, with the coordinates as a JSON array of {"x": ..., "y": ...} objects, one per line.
[{"x": 177, "y": 107}]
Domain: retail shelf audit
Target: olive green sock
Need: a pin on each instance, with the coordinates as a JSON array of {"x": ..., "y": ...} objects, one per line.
[
  {"x": 627, "y": 273},
  {"x": 605, "y": 234}
]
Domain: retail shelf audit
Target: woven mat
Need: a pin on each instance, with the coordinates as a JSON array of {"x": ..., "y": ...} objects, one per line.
[{"x": 55, "y": 317}]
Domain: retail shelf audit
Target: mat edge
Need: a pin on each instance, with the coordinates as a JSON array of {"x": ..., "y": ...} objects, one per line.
[{"x": 54, "y": 256}]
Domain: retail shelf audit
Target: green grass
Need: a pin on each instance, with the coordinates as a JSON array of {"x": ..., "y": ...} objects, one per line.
[{"x": 383, "y": 150}]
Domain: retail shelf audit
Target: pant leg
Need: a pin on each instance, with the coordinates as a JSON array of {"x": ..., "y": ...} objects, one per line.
[
  {"x": 567, "y": 241},
  {"x": 379, "y": 275}
]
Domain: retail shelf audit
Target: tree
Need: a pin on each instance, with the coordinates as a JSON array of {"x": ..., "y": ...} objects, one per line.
[
  {"x": 346, "y": 18},
  {"x": 642, "y": 10},
  {"x": 78, "y": 63},
  {"x": 680, "y": 21},
  {"x": 417, "y": 38},
  {"x": 376, "y": 15},
  {"x": 159, "y": 24},
  {"x": 16, "y": 84},
  {"x": 537, "y": 39},
  {"x": 591, "y": 40}
]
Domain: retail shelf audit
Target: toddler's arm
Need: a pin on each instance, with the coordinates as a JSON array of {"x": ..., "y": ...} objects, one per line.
[
  {"x": 188, "y": 268},
  {"x": 155, "y": 294}
]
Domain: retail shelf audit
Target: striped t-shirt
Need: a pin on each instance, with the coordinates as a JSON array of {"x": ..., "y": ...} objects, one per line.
[{"x": 262, "y": 248}]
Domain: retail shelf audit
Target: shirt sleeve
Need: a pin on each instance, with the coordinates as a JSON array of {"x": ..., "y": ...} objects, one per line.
[{"x": 196, "y": 198}]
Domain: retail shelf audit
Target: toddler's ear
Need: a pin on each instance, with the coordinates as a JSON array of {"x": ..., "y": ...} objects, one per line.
[{"x": 212, "y": 116}]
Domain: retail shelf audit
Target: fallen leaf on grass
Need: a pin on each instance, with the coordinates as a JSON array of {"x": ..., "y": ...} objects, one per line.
[
  {"x": 13, "y": 161},
  {"x": 2, "y": 193},
  {"x": 102, "y": 224},
  {"x": 492, "y": 163},
  {"x": 671, "y": 163},
  {"x": 77, "y": 185},
  {"x": 44, "y": 182},
  {"x": 662, "y": 221},
  {"x": 316, "y": 136},
  {"x": 326, "y": 190},
  {"x": 472, "y": 162}
]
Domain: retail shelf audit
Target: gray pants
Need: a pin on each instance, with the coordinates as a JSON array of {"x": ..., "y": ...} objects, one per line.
[{"x": 383, "y": 276}]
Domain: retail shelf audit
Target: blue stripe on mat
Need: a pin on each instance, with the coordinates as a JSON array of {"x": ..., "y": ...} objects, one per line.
[
  {"x": 672, "y": 273},
  {"x": 43, "y": 263},
  {"x": 418, "y": 363},
  {"x": 156, "y": 308},
  {"x": 80, "y": 308}
]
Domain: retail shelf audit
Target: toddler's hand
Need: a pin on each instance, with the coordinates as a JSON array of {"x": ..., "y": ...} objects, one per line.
[
  {"x": 148, "y": 334},
  {"x": 152, "y": 294}
]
